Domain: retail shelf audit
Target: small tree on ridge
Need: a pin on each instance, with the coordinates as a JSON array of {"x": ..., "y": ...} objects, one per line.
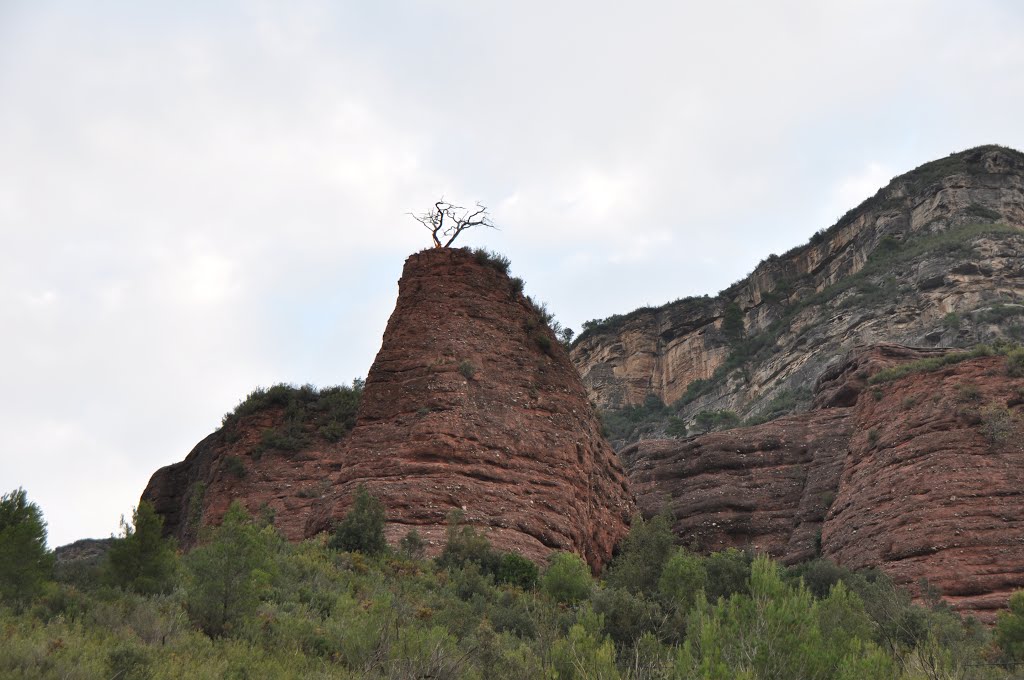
[{"x": 447, "y": 220}]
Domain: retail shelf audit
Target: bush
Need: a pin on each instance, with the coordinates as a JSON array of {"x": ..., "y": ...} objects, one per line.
[
  {"x": 412, "y": 545},
  {"x": 627, "y": 616},
  {"x": 1009, "y": 631},
  {"x": 516, "y": 570},
  {"x": 998, "y": 425},
  {"x": 1015, "y": 363},
  {"x": 234, "y": 466},
  {"x": 707, "y": 421},
  {"x": 25, "y": 564},
  {"x": 732, "y": 323},
  {"x": 495, "y": 261},
  {"x": 142, "y": 560},
  {"x": 467, "y": 369},
  {"x": 642, "y": 555},
  {"x": 362, "y": 529},
  {"x": 727, "y": 573},
  {"x": 464, "y": 545},
  {"x": 676, "y": 428},
  {"x": 567, "y": 578},
  {"x": 682, "y": 577}
]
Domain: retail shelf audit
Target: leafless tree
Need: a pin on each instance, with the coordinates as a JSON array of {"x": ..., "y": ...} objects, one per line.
[{"x": 447, "y": 220}]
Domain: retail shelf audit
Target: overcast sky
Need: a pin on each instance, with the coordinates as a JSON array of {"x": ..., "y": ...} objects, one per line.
[{"x": 197, "y": 198}]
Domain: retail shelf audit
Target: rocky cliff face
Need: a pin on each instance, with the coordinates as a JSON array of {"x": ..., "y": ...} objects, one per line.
[
  {"x": 471, "y": 405},
  {"x": 936, "y": 258},
  {"x": 272, "y": 458},
  {"x": 921, "y": 476}
]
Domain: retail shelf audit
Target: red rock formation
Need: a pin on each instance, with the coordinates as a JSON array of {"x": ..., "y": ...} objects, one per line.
[
  {"x": 922, "y": 476},
  {"x": 933, "y": 485},
  {"x": 470, "y": 405},
  {"x": 231, "y": 464},
  {"x": 473, "y": 405}
]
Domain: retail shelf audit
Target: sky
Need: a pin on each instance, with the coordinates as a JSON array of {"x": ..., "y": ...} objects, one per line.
[{"x": 198, "y": 198}]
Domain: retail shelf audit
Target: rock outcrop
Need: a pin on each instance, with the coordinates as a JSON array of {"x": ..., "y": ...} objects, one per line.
[
  {"x": 921, "y": 476},
  {"x": 936, "y": 258},
  {"x": 471, "y": 405},
  {"x": 237, "y": 463}
]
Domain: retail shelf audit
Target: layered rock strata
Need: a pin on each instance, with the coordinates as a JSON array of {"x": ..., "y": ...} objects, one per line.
[
  {"x": 936, "y": 258},
  {"x": 471, "y": 405},
  {"x": 922, "y": 477}
]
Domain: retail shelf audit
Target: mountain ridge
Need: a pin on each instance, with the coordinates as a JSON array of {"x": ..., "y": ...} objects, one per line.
[{"x": 945, "y": 238}]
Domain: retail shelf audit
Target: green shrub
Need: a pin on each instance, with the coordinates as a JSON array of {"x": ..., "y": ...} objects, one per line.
[
  {"x": 642, "y": 555},
  {"x": 999, "y": 426},
  {"x": 676, "y": 428},
  {"x": 732, "y": 323},
  {"x": 362, "y": 529},
  {"x": 517, "y": 570},
  {"x": 129, "y": 662},
  {"x": 234, "y": 466},
  {"x": 412, "y": 545},
  {"x": 708, "y": 421},
  {"x": 567, "y": 578},
  {"x": 495, "y": 261},
  {"x": 683, "y": 576},
  {"x": 626, "y": 615},
  {"x": 968, "y": 392},
  {"x": 727, "y": 573},
  {"x": 25, "y": 563},
  {"x": 1015, "y": 363},
  {"x": 467, "y": 369},
  {"x": 465, "y": 544},
  {"x": 329, "y": 412},
  {"x": 1009, "y": 631}
]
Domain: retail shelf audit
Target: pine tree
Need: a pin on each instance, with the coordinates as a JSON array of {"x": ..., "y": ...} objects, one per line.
[
  {"x": 25, "y": 563},
  {"x": 142, "y": 560}
]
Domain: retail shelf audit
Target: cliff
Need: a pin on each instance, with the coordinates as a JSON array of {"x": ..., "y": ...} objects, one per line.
[
  {"x": 921, "y": 475},
  {"x": 936, "y": 258},
  {"x": 470, "y": 405}
]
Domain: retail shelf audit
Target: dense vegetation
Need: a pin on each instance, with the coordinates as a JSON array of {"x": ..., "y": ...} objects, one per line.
[
  {"x": 310, "y": 413},
  {"x": 245, "y": 604}
]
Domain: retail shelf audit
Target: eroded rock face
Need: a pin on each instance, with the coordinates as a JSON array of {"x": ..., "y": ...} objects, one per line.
[
  {"x": 473, "y": 405},
  {"x": 933, "y": 485},
  {"x": 766, "y": 487},
  {"x": 922, "y": 477},
  {"x": 233, "y": 464},
  {"x": 470, "y": 405},
  {"x": 913, "y": 265}
]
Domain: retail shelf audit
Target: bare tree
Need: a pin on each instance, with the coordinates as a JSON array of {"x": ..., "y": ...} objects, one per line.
[{"x": 447, "y": 220}]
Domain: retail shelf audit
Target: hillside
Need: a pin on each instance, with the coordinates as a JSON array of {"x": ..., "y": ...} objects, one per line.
[{"x": 934, "y": 259}]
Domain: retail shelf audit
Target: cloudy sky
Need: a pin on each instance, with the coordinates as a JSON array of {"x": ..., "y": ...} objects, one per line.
[{"x": 198, "y": 198}]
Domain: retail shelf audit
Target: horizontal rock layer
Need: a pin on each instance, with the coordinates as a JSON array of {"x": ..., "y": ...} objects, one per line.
[
  {"x": 471, "y": 405},
  {"x": 914, "y": 265},
  {"x": 922, "y": 477}
]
